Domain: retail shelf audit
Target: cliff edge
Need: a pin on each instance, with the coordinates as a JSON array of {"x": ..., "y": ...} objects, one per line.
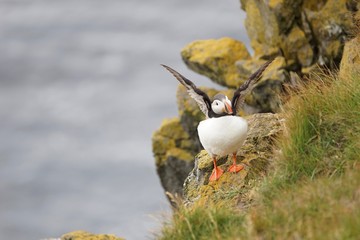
[{"x": 301, "y": 156}]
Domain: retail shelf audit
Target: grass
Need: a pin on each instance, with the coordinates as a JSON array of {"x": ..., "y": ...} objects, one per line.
[
  {"x": 214, "y": 221},
  {"x": 323, "y": 209},
  {"x": 323, "y": 133},
  {"x": 313, "y": 191}
]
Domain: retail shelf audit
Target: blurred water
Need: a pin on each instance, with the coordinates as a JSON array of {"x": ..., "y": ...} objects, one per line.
[{"x": 81, "y": 92}]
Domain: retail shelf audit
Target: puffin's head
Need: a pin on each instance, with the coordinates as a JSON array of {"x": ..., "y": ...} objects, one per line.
[{"x": 221, "y": 104}]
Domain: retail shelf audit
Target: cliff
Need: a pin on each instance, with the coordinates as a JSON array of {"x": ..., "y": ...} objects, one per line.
[
  {"x": 299, "y": 154},
  {"x": 305, "y": 36}
]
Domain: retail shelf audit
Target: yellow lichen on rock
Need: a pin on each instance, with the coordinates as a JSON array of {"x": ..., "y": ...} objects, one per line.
[
  {"x": 82, "y": 235},
  {"x": 263, "y": 28},
  {"x": 173, "y": 151},
  {"x": 296, "y": 48},
  {"x": 303, "y": 31},
  {"x": 216, "y": 59},
  {"x": 170, "y": 136},
  {"x": 172, "y": 129},
  {"x": 314, "y": 5},
  {"x": 330, "y": 25},
  {"x": 205, "y": 161},
  {"x": 179, "y": 153},
  {"x": 286, "y": 12}
]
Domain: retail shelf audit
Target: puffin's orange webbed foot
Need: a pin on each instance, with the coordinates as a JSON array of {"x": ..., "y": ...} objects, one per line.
[
  {"x": 236, "y": 168},
  {"x": 216, "y": 174}
]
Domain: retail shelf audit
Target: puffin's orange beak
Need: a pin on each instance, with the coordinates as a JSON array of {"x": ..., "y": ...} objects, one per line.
[{"x": 228, "y": 108}]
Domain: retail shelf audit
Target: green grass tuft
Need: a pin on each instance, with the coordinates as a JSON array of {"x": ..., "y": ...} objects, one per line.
[
  {"x": 323, "y": 209},
  {"x": 323, "y": 133},
  {"x": 211, "y": 221}
]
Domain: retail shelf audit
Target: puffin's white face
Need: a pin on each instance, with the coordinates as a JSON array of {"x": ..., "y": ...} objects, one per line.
[{"x": 222, "y": 106}]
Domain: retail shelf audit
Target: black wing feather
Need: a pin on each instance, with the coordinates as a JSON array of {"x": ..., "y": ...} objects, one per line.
[
  {"x": 201, "y": 98},
  {"x": 239, "y": 95}
]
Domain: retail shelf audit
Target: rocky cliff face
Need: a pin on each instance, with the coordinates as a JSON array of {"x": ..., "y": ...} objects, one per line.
[{"x": 303, "y": 36}]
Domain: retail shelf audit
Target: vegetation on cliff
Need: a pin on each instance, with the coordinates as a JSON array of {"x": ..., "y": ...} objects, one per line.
[{"x": 313, "y": 189}]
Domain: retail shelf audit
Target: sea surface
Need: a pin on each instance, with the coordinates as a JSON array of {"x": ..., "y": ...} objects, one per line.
[{"x": 81, "y": 91}]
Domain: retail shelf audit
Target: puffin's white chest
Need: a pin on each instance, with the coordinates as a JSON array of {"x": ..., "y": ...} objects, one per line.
[{"x": 222, "y": 136}]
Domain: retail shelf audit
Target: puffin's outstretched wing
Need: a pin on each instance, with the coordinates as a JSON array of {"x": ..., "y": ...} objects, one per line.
[
  {"x": 239, "y": 95},
  {"x": 201, "y": 98}
]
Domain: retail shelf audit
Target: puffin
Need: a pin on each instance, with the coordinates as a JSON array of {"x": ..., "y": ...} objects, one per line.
[{"x": 223, "y": 132}]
